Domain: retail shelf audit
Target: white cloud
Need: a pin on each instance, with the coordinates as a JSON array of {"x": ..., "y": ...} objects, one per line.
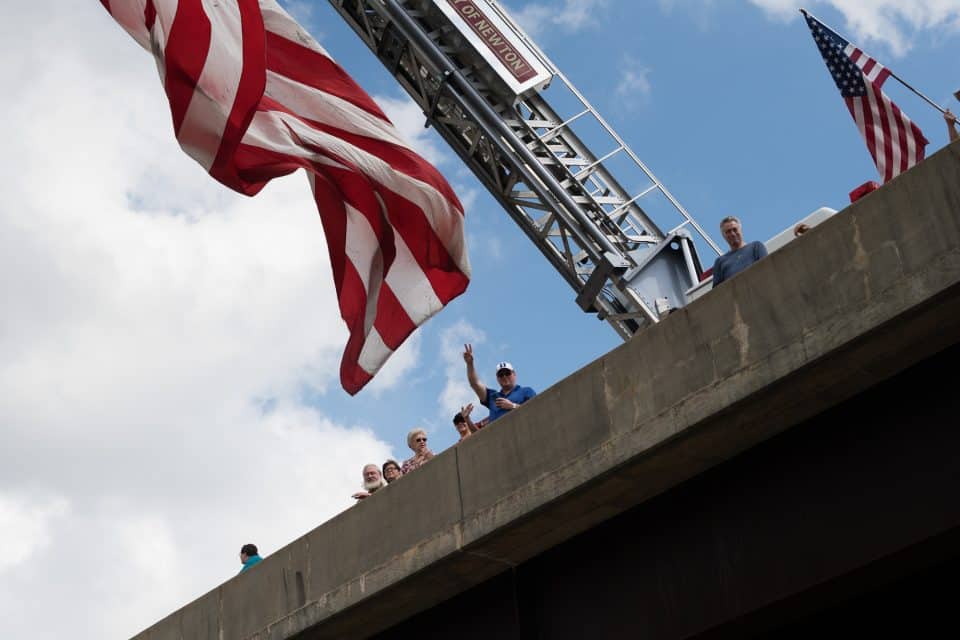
[
  {"x": 634, "y": 83},
  {"x": 486, "y": 247},
  {"x": 26, "y": 526},
  {"x": 890, "y": 23},
  {"x": 303, "y": 12},
  {"x": 165, "y": 520},
  {"x": 700, "y": 10},
  {"x": 157, "y": 337},
  {"x": 570, "y": 16}
]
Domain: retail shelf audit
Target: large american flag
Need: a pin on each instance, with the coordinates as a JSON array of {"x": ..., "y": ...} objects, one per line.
[
  {"x": 894, "y": 141},
  {"x": 254, "y": 97}
]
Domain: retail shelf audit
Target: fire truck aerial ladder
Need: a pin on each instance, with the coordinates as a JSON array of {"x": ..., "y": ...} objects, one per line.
[{"x": 482, "y": 84}]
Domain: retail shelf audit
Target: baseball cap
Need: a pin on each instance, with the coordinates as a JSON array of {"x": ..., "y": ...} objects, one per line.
[{"x": 504, "y": 365}]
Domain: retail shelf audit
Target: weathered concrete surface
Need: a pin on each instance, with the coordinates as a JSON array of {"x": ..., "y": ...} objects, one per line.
[
  {"x": 858, "y": 299},
  {"x": 861, "y": 496}
]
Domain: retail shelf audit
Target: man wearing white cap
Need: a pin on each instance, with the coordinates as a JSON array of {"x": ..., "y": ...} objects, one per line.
[{"x": 509, "y": 397}]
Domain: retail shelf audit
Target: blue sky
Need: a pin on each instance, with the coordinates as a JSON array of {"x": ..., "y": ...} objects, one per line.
[
  {"x": 730, "y": 105},
  {"x": 169, "y": 349}
]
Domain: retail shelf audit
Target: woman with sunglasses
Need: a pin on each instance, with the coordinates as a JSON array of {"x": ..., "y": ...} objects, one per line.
[{"x": 417, "y": 441}]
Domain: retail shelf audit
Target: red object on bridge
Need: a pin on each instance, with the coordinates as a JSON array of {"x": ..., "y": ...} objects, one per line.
[{"x": 863, "y": 190}]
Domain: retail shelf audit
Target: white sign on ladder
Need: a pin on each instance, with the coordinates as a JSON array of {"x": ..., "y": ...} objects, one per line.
[{"x": 496, "y": 42}]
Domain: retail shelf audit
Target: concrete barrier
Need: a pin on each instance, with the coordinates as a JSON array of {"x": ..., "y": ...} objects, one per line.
[{"x": 859, "y": 298}]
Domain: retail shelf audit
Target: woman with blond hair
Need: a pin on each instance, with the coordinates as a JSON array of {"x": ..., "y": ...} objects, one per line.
[{"x": 417, "y": 441}]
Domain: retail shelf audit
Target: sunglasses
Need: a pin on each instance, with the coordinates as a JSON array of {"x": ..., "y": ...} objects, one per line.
[
  {"x": 420, "y": 439},
  {"x": 503, "y": 373}
]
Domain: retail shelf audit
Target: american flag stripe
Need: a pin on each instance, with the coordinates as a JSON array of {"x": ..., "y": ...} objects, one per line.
[
  {"x": 416, "y": 290},
  {"x": 881, "y": 130},
  {"x": 335, "y": 228},
  {"x": 372, "y": 350},
  {"x": 184, "y": 33},
  {"x": 352, "y": 290},
  {"x": 378, "y": 140},
  {"x": 420, "y": 233},
  {"x": 384, "y": 146},
  {"x": 359, "y": 283},
  {"x": 885, "y": 155},
  {"x": 880, "y": 108},
  {"x": 391, "y": 334},
  {"x": 415, "y": 217},
  {"x": 425, "y": 246},
  {"x": 249, "y": 90},
  {"x": 895, "y": 143},
  {"x": 885, "y": 129},
  {"x": 353, "y": 190},
  {"x": 295, "y": 98},
  {"x": 872, "y": 70},
  {"x": 898, "y": 157},
  {"x": 855, "y": 106},
  {"x": 253, "y": 97},
  {"x": 198, "y": 87},
  {"x": 422, "y": 222},
  {"x": 292, "y": 53},
  {"x": 368, "y": 265},
  {"x": 132, "y": 17},
  {"x": 313, "y": 68}
]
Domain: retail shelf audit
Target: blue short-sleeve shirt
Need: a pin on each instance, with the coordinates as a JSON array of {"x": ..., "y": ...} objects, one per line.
[
  {"x": 733, "y": 262},
  {"x": 517, "y": 395}
]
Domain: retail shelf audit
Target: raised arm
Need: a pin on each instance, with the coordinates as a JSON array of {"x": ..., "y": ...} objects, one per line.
[
  {"x": 951, "y": 125},
  {"x": 465, "y": 412},
  {"x": 478, "y": 387}
]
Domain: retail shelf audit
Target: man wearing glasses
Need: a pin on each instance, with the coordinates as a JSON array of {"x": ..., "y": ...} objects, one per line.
[{"x": 509, "y": 397}]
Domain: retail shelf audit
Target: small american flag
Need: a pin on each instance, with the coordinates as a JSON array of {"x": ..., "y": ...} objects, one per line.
[
  {"x": 894, "y": 141},
  {"x": 254, "y": 97}
]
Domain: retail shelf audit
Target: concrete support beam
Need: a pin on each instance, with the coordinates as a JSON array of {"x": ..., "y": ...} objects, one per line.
[{"x": 859, "y": 298}]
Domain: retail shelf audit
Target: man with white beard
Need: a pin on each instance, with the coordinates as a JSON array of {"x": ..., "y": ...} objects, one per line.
[{"x": 372, "y": 480}]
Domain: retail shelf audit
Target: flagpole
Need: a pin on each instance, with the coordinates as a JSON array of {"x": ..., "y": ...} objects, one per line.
[
  {"x": 892, "y": 74},
  {"x": 929, "y": 101}
]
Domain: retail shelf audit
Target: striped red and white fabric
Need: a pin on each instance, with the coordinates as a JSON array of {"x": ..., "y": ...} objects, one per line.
[
  {"x": 894, "y": 141},
  {"x": 254, "y": 97}
]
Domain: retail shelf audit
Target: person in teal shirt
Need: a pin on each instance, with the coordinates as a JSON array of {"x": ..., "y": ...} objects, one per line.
[{"x": 249, "y": 556}]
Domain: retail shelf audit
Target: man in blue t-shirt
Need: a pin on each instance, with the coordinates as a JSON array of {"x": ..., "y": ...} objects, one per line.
[
  {"x": 741, "y": 254},
  {"x": 509, "y": 397}
]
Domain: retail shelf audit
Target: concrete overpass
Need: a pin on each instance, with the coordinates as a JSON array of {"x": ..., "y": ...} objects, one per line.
[{"x": 791, "y": 466}]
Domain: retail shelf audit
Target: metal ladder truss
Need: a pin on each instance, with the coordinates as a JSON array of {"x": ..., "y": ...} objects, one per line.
[{"x": 600, "y": 236}]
